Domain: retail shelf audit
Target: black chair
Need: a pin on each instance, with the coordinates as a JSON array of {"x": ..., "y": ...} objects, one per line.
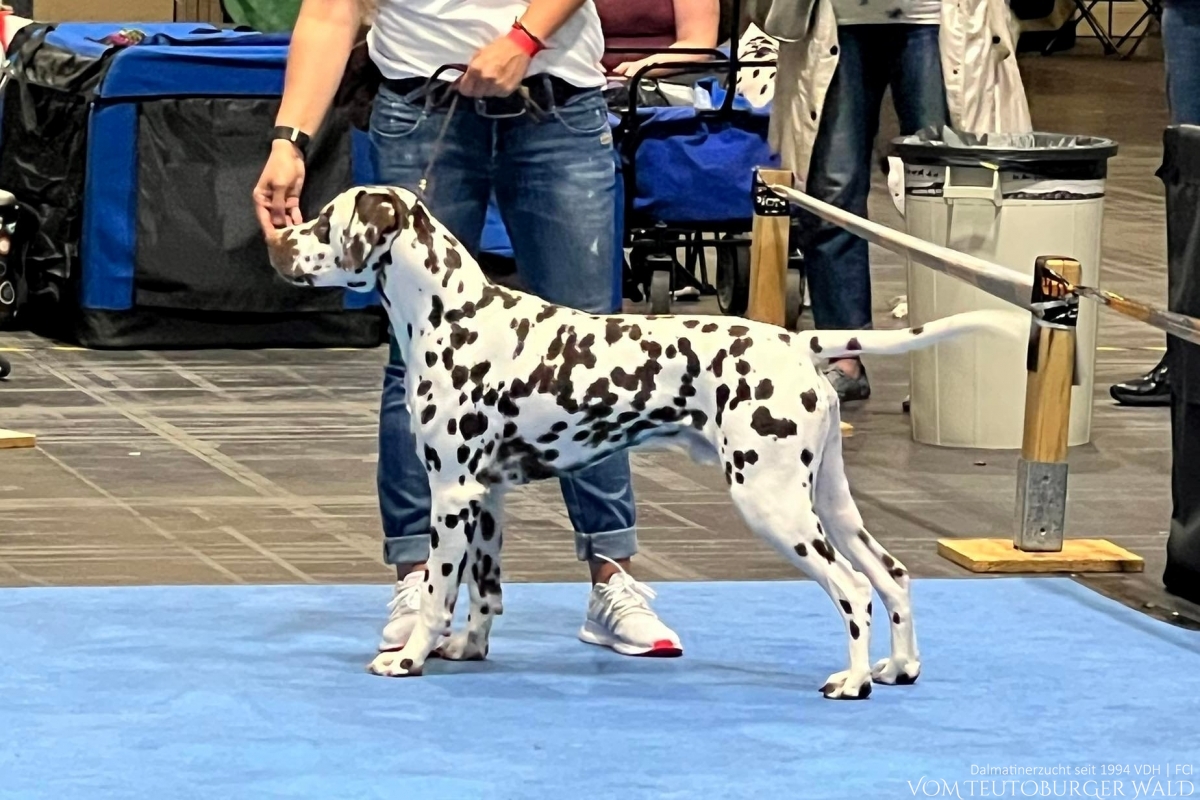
[{"x": 1153, "y": 12}]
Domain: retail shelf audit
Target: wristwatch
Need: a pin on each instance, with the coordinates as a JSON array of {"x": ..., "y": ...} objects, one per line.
[{"x": 294, "y": 135}]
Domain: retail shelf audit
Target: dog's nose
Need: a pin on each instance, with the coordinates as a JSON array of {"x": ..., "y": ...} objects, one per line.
[{"x": 283, "y": 253}]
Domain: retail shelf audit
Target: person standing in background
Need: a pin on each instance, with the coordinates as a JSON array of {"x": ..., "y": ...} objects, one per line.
[
  {"x": 944, "y": 61},
  {"x": 553, "y": 176},
  {"x": 1181, "y": 59},
  {"x": 1181, "y": 367}
]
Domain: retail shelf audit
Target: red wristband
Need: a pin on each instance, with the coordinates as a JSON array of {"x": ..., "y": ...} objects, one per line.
[{"x": 528, "y": 43}]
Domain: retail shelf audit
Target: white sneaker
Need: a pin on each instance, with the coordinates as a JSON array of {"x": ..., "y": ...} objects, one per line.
[
  {"x": 619, "y": 616},
  {"x": 404, "y": 611}
]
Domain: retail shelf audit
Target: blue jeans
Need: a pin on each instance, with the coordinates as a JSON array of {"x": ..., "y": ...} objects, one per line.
[
  {"x": 553, "y": 181},
  {"x": 870, "y": 59},
  {"x": 1181, "y": 50}
]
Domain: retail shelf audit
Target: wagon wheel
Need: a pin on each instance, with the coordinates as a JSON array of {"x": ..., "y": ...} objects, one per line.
[
  {"x": 733, "y": 278},
  {"x": 661, "y": 268}
]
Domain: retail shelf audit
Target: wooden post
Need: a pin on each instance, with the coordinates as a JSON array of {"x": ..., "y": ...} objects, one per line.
[
  {"x": 1042, "y": 468},
  {"x": 769, "y": 249},
  {"x": 1038, "y": 543},
  {"x": 1048, "y": 389}
]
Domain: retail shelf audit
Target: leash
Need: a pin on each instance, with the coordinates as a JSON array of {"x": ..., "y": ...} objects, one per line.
[
  {"x": 423, "y": 184},
  {"x": 528, "y": 106}
]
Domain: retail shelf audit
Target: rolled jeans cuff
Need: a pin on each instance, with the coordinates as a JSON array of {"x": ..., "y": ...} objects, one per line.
[
  {"x": 617, "y": 545},
  {"x": 410, "y": 549}
]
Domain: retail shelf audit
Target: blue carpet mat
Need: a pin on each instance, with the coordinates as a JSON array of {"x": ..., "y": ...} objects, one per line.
[{"x": 257, "y": 692}]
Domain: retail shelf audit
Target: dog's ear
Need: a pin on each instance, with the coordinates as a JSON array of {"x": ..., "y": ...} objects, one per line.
[{"x": 376, "y": 214}]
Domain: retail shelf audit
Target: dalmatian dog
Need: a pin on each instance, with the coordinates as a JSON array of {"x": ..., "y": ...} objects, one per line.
[{"x": 505, "y": 388}]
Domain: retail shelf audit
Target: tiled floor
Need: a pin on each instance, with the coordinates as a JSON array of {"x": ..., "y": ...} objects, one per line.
[{"x": 255, "y": 467}]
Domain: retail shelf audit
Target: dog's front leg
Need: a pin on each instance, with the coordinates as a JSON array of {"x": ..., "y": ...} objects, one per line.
[
  {"x": 483, "y": 559},
  {"x": 455, "y": 522}
]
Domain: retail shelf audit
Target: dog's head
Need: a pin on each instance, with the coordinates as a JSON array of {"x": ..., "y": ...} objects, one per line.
[{"x": 342, "y": 246}]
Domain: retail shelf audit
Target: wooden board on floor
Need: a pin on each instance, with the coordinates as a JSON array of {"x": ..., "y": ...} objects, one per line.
[
  {"x": 12, "y": 439},
  {"x": 1077, "y": 555}
]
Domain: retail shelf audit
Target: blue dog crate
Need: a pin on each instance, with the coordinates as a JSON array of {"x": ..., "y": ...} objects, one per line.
[{"x": 158, "y": 244}]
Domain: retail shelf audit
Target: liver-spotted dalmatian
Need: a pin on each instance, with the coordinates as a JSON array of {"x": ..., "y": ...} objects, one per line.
[{"x": 505, "y": 388}]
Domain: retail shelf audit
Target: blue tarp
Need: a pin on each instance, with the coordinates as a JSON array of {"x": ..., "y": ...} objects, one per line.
[
  {"x": 693, "y": 168},
  {"x": 255, "y": 692}
]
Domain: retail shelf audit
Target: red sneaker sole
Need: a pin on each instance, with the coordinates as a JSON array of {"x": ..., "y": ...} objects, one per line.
[{"x": 663, "y": 649}]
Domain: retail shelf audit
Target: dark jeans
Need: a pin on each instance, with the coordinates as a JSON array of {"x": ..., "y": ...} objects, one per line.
[
  {"x": 870, "y": 59},
  {"x": 553, "y": 182},
  {"x": 1181, "y": 51}
]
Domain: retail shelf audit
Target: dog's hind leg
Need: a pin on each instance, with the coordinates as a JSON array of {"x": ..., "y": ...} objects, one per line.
[
  {"x": 483, "y": 565},
  {"x": 777, "y": 508},
  {"x": 836, "y": 508},
  {"x": 456, "y": 514}
]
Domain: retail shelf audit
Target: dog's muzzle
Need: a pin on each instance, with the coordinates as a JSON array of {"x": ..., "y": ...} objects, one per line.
[{"x": 284, "y": 257}]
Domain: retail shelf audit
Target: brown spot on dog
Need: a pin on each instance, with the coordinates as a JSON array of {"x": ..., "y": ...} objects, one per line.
[
  {"x": 824, "y": 550},
  {"x": 764, "y": 424},
  {"x": 740, "y": 346}
]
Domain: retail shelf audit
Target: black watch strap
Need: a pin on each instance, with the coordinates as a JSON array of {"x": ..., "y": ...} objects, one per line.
[{"x": 293, "y": 135}]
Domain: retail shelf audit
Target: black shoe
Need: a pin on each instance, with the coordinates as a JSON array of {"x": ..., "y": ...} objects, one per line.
[
  {"x": 1152, "y": 389},
  {"x": 1182, "y": 582}
]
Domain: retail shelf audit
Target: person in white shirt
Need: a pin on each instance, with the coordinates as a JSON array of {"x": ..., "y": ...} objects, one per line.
[{"x": 552, "y": 173}]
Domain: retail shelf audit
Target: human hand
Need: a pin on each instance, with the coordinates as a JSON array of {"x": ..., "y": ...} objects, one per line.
[
  {"x": 631, "y": 68},
  {"x": 496, "y": 70},
  {"x": 277, "y": 195}
]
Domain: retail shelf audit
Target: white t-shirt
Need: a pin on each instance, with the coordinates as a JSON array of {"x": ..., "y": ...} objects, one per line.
[
  {"x": 413, "y": 38},
  {"x": 882, "y": 12}
]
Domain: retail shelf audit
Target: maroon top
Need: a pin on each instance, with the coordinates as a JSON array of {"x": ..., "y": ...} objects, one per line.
[{"x": 635, "y": 23}]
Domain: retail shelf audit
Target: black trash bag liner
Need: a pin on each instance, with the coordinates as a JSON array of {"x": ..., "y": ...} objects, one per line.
[
  {"x": 1048, "y": 154},
  {"x": 1180, "y": 174},
  {"x": 43, "y": 156}
]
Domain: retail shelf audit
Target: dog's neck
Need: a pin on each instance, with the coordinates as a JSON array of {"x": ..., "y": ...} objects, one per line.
[{"x": 425, "y": 273}]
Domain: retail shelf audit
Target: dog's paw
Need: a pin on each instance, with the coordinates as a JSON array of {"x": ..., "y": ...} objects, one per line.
[
  {"x": 461, "y": 647},
  {"x": 893, "y": 672},
  {"x": 844, "y": 686},
  {"x": 394, "y": 665}
]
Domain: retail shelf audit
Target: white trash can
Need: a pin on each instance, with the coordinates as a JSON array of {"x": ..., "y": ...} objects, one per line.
[{"x": 1007, "y": 199}]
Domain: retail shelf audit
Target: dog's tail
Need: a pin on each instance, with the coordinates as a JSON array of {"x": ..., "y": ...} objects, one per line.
[{"x": 840, "y": 344}]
